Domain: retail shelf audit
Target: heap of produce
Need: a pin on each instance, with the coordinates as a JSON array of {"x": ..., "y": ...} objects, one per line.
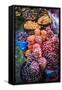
[{"x": 37, "y": 45}]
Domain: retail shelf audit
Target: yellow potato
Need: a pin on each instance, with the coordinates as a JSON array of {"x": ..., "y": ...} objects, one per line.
[
  {"x": 43, "y": 35},
  {"x": 37, "y": 32},
  {"x": 27, "y": 52},
  {"x": 44, "y": 20},
  {"x": 31, "y": 25}
]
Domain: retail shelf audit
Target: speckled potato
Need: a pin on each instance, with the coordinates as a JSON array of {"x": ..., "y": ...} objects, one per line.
[
  {"x": 50, "y": 51},
  {"x": 29, "y": 14},
  {"x": 50, "y": 34},
  {"x": 30, "y": 71}
]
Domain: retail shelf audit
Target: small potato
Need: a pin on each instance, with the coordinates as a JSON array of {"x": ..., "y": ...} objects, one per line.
[
  {"x": 30, "y": 47},
  {"x": 31, "y": 39},
  {"x": 37, "y": 32},
  {"x": 31, "y": 25},
  {"x": 44, "y": 20},
  {"x": 27, "y": 52},
  {"x": 36, "y": 45},
  {"x": 38, "y": 39},
  {"x": 43, "y": 35},
  {"x": 42, "y": 62}
]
